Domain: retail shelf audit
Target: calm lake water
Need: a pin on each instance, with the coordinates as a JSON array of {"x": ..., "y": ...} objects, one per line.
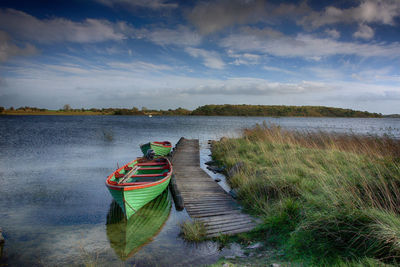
[{"x": 55, "y": 208}]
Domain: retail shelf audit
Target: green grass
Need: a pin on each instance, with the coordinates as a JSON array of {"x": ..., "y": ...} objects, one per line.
[
  {"x": 193, "y": 231},
  {"x": 325, "y": 199}
]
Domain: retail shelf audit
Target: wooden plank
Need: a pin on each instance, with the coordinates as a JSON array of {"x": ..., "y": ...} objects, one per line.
[
  {"x": 231, "y": 232},
  {"x": 210, "y": 214},
  {"x": 225, "y": 217},
  {"x": 221, "y": 219},
  {"x": 205, "y": 205},
  {"x": 210, "y": 208},
  {"x": 204, "y": 199},
  {"x": 222, "y": 223},
  {"x": 230, "y": 226}
]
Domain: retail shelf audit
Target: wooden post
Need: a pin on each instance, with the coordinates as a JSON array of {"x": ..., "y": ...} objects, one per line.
[{"x": 176, "y": 195}]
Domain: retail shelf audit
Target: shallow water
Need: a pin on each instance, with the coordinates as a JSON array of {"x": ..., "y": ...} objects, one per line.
[{"x": 53, "y": 201}]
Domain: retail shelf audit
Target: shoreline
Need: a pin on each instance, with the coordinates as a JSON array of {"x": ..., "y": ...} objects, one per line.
[
  {"x": 208, "y": 110},
  {"x": 61, "y": 113}
]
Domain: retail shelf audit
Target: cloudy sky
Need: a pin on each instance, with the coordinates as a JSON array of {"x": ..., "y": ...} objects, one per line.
[{"x": 168, "y": 54}]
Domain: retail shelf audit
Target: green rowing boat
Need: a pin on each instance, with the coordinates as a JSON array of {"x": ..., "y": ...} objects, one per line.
[
  {"x": 139, "y": 182},
  {"x": 159, "y": 148},
  {"x": 128, "y": 236}
]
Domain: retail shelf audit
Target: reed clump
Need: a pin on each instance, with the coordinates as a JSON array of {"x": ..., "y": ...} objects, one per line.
[
  {"x": 323, "y": 197},
  {"x": 193, "y": 231}
]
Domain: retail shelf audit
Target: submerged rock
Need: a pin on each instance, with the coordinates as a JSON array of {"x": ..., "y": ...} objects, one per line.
[
  {"x": 216, "y": 169},
  {"x": 233, "y": 193},
  {"x": 211, "y": 162}
]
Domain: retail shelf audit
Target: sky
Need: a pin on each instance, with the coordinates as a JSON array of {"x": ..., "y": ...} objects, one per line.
[{"x": 162, "y": 54}]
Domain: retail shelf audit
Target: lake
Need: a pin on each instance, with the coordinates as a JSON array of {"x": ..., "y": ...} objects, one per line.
[{"x": 55, "y": 208}]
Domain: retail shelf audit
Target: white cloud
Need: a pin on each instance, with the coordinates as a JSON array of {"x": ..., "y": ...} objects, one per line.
[
  {"x": 385, "y": 74},
  {"x": 254, "y": 86},
  {"x": 139, "y": 66},
  {"x": 181, "y": 36},
  {"x": 211, "y": 59},
  {"x": 304, "y": 45},
  {"x": 364, "y": 32},
  {"x": 134, "y": 84},
  {"x": 27, "y": 27},
  {"x": 275, "y": 69},
  {"x": 8, "y": 49},
  {"x": 153, "y": 4},
  {"x": 369, "y": 11},
  {"x": 326, "y": 73},
  {"x": 333, "y": 33},
  {"x": 244, "y": 58}
]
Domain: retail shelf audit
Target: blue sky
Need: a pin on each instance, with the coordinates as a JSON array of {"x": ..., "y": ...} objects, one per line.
[{"x": 168, "y": 54}]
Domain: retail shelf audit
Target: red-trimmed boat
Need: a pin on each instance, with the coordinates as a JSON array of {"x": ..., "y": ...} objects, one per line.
[
  {"x": 159, "y": 148},
  {"x": 138, "y": 182}
]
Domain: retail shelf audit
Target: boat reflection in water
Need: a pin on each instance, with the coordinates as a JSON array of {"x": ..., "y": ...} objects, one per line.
[{"x": 128, "y": 236}]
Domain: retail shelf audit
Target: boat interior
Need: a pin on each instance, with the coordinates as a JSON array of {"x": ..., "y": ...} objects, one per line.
[
  {"x": 142, "y": 172},
  {"x": 165, "y": 143}
]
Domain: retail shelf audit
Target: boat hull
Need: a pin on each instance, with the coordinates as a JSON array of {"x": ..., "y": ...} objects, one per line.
[
  {"x": 132, "y": 200},
  {"x": 159, "y": 148},
  {"x": 133, "y": 195}
]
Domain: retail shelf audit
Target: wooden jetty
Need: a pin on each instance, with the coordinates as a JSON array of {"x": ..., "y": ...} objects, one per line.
[{"x": 203, "y": 198}]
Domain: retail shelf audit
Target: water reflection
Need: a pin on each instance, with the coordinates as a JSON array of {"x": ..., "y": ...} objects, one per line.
[{"x": 126, "y": 237}]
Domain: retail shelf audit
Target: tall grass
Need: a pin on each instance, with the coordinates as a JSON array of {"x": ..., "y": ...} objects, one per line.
[
  {"x": 322, "y": 196},
  {"x": 193, "y": 231}
]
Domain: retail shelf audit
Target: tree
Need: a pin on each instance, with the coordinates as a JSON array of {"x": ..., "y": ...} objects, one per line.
[
  {"x": 66, "y": 107},
  {"x": 2, "y": 109}
]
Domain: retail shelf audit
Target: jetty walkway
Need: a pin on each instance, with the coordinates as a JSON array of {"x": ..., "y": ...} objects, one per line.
[{"x": 203, "y": 198}]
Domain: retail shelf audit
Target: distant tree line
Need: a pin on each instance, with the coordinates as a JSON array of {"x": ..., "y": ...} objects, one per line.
[
  {"x": 26, "y": 109},
  {"x": 211, "y": 110},
  {"x": 280, "y": 111},
  {"x": 104, "y": 111}
]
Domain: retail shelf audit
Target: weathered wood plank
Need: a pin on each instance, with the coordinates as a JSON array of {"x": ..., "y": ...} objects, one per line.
[
  {"x": 231, "y": 232},
  {"x": 204, "y": 199},
  {"x": 229, "y": 226}
]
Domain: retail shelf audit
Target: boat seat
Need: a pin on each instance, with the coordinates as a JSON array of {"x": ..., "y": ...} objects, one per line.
[
  {"x": 150, "y": 175},
  {"x": 151, "y": 164},
  {"x": 146, "y": 179},
  {"x": 155, "y": 168}
]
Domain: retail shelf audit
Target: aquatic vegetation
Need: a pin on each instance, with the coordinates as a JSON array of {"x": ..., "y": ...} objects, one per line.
[
  {"x": 194, "y": 231},
  {"x": 332, "y": 198}
]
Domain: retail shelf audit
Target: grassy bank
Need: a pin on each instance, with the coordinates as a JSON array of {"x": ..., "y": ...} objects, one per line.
[{"x": 324, "y": 198}]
